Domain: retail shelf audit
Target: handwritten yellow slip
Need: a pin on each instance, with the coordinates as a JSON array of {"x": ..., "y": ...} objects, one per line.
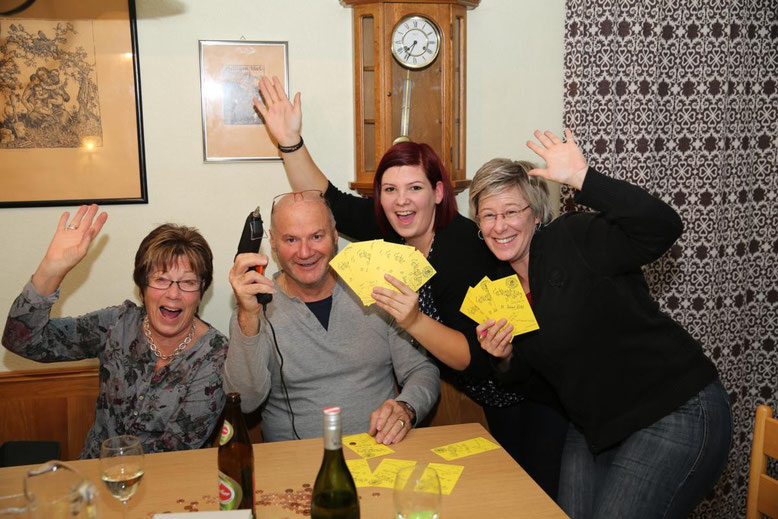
[
  {"x": 363, "y": 265},
  {"x": 366, "y": 446},
  {"x": 360, "y": 471},
  {"x": 448, "y": 475},
  {"x": 386, "y": 472},
  {"x": 501, "y": 299},
  {"x": 461, "y": 449}
]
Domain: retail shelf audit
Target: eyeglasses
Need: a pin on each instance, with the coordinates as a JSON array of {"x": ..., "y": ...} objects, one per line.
[
  {"x": 511, "y": 216},
  {"x": 308, "y": 195},
  {"x": 185, "y": 285}
]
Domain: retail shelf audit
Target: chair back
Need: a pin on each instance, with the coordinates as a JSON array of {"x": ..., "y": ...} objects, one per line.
[{"x": 763, "y": 489}]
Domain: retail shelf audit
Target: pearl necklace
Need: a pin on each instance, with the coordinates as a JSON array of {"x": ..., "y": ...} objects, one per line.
[{"x": 155, "y": 350}]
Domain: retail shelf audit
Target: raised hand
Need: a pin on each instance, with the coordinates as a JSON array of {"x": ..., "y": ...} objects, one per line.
[
  {"x": 564, "y": 161},
  {"x": 403, "y": 305},
  {"x": 282, "y": 118},
  {"x": 68, "y": 247}
]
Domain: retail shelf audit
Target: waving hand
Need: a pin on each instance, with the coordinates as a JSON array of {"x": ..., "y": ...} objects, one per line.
[{"x": 564, "y": 161}]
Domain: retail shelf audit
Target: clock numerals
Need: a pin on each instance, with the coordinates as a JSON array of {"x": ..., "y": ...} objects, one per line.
[{"x": 415, "y": 42}]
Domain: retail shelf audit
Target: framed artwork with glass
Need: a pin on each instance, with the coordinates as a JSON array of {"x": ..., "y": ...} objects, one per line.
[
  {"x": 71, "y": 128},
  {"x": 229, "y": 80}
]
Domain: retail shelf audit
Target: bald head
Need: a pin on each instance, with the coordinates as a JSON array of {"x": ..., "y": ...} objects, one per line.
[{"x": 292, "y": 201}]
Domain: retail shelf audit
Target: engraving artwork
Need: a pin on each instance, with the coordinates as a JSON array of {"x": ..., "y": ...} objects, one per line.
[
  {"x": 48, "y": 85},
  {"x": 240, "y": 84}
]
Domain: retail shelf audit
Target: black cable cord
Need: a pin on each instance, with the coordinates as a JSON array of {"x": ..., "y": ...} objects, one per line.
[{"x": 281, "y": 370}]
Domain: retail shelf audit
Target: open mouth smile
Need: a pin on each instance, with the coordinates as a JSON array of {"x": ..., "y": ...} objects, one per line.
[
  {"x": 503, "y": 241},
  {"x": 170, "y": 313},
  {"x": 405, "y": 216}
]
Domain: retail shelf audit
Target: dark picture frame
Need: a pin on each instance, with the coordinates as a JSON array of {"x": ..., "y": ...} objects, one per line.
[
  {"x": 230, "y": 71},
  {"x": 71, "y": 124}
]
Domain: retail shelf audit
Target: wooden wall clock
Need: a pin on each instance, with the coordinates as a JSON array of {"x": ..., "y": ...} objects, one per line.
[{"x": 409, "y": 81}]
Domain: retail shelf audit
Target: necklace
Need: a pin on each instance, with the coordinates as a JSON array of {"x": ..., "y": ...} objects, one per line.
[{"x": 155, "y": 350}]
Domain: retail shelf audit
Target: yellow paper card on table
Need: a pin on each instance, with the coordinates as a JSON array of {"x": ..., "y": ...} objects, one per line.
[
  {"x": 386, "y": 472},
  {"x": 360, "y": 471},
  {"x": 465, "y": 448},
  {"x": 448, "y": 475},
  {"x": 366, "y": 446}
]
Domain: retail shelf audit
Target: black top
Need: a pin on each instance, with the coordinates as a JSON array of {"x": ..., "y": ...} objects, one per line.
[
  {"x": 321, "y": 309},
  {"x": 617, "y": 362}
]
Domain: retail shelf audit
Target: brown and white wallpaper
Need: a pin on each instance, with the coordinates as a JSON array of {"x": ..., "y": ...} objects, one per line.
[{"x": 681, "y": 98}]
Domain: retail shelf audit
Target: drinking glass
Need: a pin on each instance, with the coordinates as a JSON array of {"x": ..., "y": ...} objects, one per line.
[
  {"x": 417, "y": 493},
  {"x": 55, "y": 490},
  {"x": 14, "y": 507},
  {"x": 121, "y": 467}
]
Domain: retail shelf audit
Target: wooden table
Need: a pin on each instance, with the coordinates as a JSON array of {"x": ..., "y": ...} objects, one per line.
[{"x": 491, "y": 485}]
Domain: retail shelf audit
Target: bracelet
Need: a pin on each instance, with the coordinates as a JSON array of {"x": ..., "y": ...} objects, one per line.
[
  {"x": 290, "y": 149},
  {"x": 411, "y": 411}
]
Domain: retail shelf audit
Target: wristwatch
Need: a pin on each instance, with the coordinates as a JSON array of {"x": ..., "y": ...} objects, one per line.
[{"x": 411, "y": 411}]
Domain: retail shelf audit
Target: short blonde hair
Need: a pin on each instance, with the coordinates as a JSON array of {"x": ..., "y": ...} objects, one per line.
[
  {"x": 497, "y": 175},
  {"x": 163, "y": 246}
]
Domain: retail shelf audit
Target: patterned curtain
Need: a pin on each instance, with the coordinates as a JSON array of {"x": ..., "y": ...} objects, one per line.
[{"x": 681, "y": 98}]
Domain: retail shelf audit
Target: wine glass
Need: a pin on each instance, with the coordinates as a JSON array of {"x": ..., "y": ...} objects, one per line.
[
  {"x": 121, "y": 467},
  {"x": 417, "y": 493}
]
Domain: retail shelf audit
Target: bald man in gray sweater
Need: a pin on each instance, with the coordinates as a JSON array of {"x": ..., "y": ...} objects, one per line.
[{"x": 334, "y": 351}]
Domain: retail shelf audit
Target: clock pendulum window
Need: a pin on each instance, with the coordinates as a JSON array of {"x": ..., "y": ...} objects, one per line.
[
  {"x": 409, "y": 78},
  {"x": 415, "y": 45}
]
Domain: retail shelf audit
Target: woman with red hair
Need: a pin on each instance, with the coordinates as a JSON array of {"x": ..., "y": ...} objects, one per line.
[{"x": 413, "y": 203}]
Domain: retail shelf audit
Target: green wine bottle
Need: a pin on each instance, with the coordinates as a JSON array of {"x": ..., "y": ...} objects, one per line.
[{"x": 334, "y": 493}]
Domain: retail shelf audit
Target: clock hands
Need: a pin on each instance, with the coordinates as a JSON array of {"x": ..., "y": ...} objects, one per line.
[{"x": 408, "y": 50}]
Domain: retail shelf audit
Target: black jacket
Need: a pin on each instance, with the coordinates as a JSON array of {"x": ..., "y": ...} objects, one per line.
[{"x": 616, "y": 361}]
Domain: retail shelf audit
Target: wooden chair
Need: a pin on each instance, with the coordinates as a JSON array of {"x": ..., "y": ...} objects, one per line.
[{"x": 763, "y": 489}]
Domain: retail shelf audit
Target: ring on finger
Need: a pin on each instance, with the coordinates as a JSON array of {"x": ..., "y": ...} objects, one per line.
[
  {"x": 402, "y": 423},
  {"x": 72, "y": 227}
]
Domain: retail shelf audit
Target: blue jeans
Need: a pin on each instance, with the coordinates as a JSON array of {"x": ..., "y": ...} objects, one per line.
[{"x": 663, "y": 470}]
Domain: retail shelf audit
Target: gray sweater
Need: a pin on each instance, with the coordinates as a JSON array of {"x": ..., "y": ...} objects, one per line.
[{"x": 351, "y": 365}]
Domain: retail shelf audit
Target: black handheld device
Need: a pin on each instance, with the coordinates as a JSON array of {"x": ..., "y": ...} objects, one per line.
[{"x": 250, "y": 240}]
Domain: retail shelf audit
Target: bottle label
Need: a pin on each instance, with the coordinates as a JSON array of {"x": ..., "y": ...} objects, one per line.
[
  {"x": 227, "y": 432},
  {"x": 230, "y": 492}
]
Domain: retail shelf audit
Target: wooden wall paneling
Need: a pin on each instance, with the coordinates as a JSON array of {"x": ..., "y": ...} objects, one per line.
[
  {"x": 454, "y": 407},
  {"x": 51, "y": 405}
]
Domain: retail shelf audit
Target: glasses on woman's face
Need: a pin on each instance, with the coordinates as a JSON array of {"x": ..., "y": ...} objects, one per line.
[
  {"x": 185, "y": 285},
  {"x": 308, "y": 195},
  {"x": 487, "y": 219}
]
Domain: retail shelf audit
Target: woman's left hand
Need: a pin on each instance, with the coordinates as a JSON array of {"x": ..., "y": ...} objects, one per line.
[
  {"x": 565, "y": 163},
  {"x": 402, "y": 305},
  {"x": 495, "y": 338}
]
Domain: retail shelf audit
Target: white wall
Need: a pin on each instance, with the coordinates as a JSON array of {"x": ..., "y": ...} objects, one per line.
[{"x": 514, "y": 86}]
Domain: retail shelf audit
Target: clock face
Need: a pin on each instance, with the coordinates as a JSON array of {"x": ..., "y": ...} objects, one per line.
[{"x": 415, "y": 42}]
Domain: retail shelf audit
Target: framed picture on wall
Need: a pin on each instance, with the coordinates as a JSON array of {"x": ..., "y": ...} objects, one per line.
[
  {"x": 71, "y": 130},
  {"x": 229, "y": 79}
]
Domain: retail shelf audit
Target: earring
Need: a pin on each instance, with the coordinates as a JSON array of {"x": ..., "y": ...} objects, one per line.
[
  {"x": 538, "y": 226},
  {"x": 480, "y": 236}
]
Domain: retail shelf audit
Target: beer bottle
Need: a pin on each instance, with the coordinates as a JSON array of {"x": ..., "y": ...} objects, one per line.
[
  {"x": 334, "y": 493},
  {"x": 236, "y": 459}
]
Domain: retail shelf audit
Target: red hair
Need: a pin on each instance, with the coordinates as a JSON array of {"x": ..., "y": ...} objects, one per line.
[{"x": 416, "y": 154}]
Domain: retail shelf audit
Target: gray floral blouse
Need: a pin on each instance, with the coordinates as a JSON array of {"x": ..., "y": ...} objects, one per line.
[{"x": 173, "y": 409}]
